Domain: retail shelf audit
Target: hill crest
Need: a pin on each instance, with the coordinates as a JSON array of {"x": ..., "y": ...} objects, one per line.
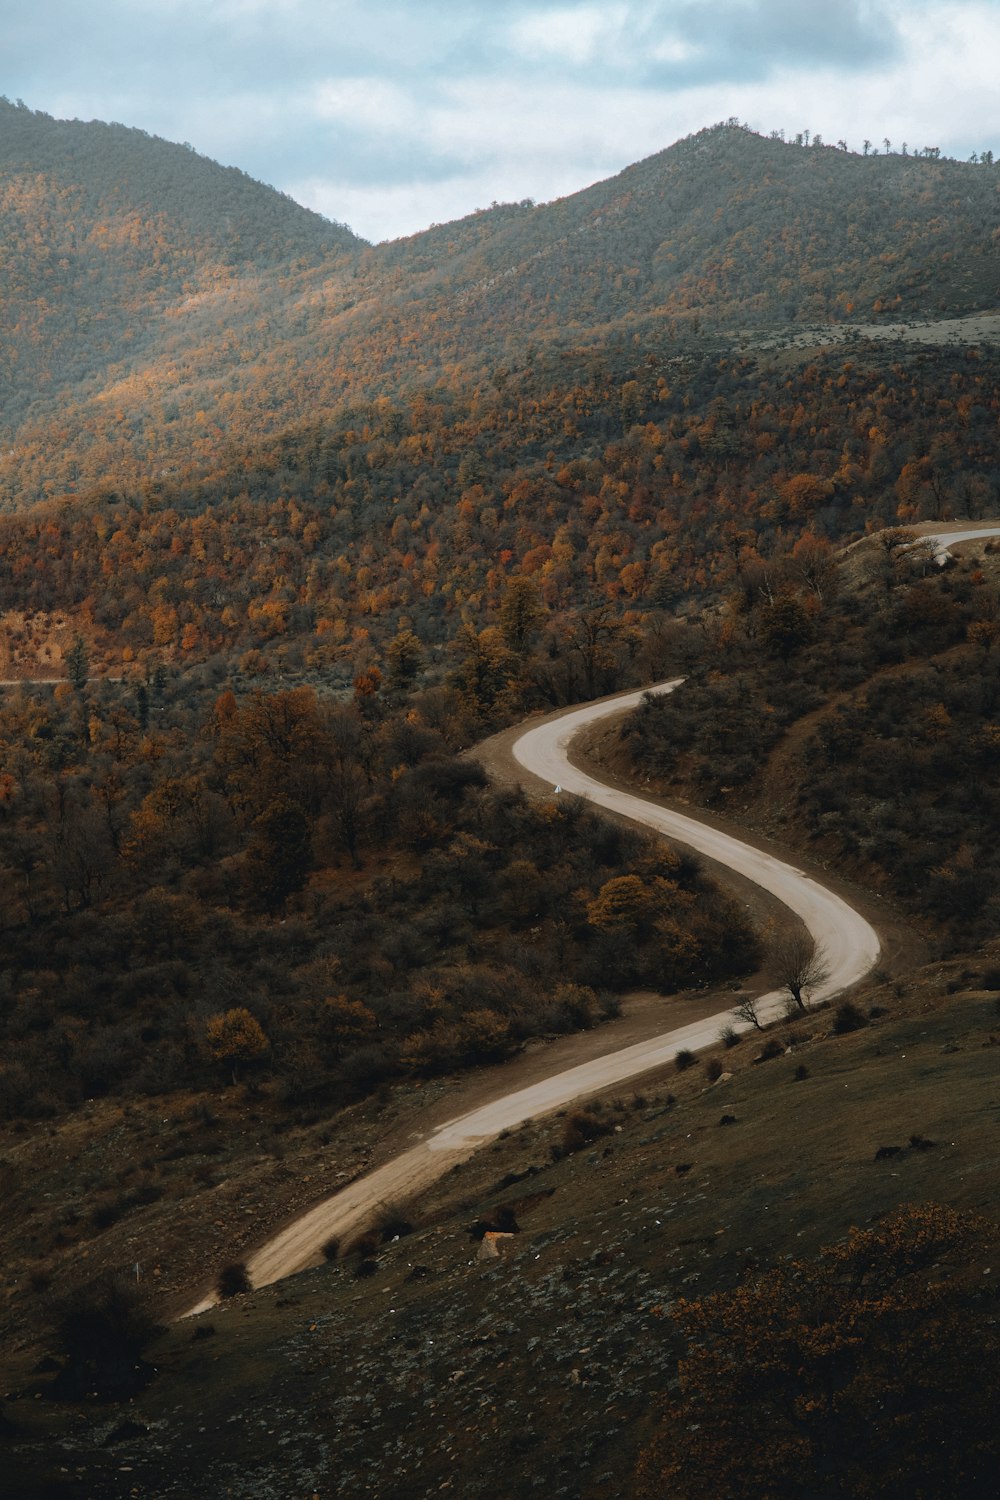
[{"x": 140, "y": 277}]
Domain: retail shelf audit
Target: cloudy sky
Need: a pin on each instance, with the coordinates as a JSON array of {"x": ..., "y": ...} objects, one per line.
[{"x": 390, "y": 115}]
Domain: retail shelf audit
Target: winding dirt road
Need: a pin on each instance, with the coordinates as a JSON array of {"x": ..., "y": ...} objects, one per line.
[{"x": 850, "y": 945}]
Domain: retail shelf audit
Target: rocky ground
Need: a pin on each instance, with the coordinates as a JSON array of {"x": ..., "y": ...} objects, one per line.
[{"x": 387, "y": 1384}]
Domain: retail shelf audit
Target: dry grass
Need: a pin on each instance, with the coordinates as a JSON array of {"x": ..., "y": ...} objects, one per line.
[{"x": 388, "y": 1380}]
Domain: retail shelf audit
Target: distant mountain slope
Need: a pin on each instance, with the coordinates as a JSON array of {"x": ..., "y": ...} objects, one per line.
[
  {"x": 159, "y": 309},
  {"x": 736, "y": 229},
  {"x": 114, "y": 168},
  {"x": 103, "y": 229}
]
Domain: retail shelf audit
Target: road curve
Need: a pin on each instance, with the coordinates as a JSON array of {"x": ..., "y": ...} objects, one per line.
[
  {"x": 850, "y": 944},
  {"x": 942, "y": 539}
]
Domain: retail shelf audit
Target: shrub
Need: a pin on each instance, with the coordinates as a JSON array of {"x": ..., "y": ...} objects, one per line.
[
  {"x": 331, "y": 1248},
  {"x": 505, "y": 1220},
  {"x": 106, "y": 1213},
  {"x": 583, "y": 1127},
  {"x": 713, "y": 1069},
  {"x": 771, "y": 1049},
  {"x": 393, "y": 1224},
  {"x": 729, "y": 1036},
  {"x": 103, "y": 1328},
  {"x": 366, "y": 1267},
  {"x": 366, "y": 1245},
  {"x": 233, "y": 1280},
  {"x": 848, "y": 1018},
  {"x": 684, "y": 1059},
  {"x": 921, "y": 1143}
]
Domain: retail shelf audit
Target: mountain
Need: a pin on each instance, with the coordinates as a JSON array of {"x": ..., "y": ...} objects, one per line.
[
  {"x": 160, "y": 308},
  {"x": 292, "y": 522},
  {"x": 735, "y": 230},
  {"x": 108, "y": 237}
]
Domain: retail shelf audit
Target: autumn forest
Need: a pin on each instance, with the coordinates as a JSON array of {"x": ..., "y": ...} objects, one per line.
[{"x": 290, "y": 523}]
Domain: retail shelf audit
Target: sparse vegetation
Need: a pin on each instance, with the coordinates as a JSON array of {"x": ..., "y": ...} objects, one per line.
[{"x": 777, "y": 1386}]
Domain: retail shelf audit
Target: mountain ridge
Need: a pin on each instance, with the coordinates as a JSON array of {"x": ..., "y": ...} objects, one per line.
[{"x": 723, "y": 231}]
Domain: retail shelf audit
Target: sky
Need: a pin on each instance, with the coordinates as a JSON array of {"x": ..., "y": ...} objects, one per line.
[{"x": 391, "y": 115}]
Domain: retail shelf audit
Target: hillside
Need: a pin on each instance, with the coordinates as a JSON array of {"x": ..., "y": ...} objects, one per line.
[
  {"x": 625, "y": 486},
  {"x": 108, "y": 237},
  {"x": 564, "y": 1351},
  {"x": 291, "y": 523},
  {"x": 850, "y": 706},
  {"x": 153, "y": 331},
  {"x": 728, "y": 229}
]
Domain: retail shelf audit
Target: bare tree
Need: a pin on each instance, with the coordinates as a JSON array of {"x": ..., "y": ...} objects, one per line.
[
  {"x": 747, "y": 1011},
  {"x": 797, "y": 965}
]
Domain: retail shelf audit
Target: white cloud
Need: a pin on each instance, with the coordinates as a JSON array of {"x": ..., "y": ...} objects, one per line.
[
  {"x": 941, "y": 90},
  {"x": 389, "y": 114},
  {"x": 373, "y": 103},
  {"x": 576, "y": 34},
  {"x": 511, "y": 140},
  {"x": 673, "y": 49}
]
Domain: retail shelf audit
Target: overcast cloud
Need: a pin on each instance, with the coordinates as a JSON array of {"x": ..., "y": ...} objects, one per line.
[{"x": 390, "y": 116}]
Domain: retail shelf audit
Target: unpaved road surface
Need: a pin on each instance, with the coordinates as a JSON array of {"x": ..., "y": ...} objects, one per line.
[
  {"x": 943, "y": 536},
  {"x": 850, "y": 944}
]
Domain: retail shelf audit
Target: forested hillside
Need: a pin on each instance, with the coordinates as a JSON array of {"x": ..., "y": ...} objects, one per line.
[
  {"x": 194, "y": 886},
  {"x": 607, "y": 494},
  {"x": 110, "y": 240},
  {"x": 729, "y": 229},
  {"x": 854, "y": 705},
  {"x": 162, "y": 311}
]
